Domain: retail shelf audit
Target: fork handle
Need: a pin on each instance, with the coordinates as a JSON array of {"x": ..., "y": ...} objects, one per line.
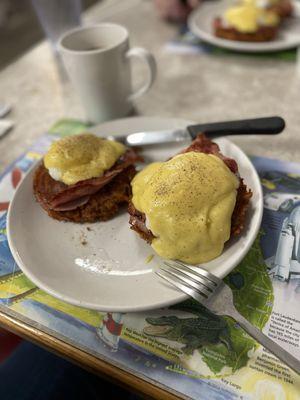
[{"x": 268, "y": 343}]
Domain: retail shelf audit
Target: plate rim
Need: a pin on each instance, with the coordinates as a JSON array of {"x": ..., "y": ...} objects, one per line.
[{"x": 159, "y": 304}]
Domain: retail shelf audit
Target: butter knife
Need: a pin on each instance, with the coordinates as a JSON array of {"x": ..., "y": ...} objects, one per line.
[{"x": 256, "y": 126}]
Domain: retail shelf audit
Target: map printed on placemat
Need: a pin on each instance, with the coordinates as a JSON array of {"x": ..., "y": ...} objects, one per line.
[{"x": 186, "y": 347}]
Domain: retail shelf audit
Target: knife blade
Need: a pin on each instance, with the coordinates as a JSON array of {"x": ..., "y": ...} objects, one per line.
[{"x": 255, "y": 126}]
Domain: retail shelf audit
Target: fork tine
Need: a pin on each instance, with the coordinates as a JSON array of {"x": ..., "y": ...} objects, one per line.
[
  {"x": 199, "y": 271},
  {"x": 188, "y": 281},
  {"x": 190, "y": 292},
  {"x": 201, "y": 290},
  {"x": 196, "y": 278}
]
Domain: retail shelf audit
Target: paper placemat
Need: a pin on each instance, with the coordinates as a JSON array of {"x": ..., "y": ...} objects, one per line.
[{"x": 200, "y": 355}]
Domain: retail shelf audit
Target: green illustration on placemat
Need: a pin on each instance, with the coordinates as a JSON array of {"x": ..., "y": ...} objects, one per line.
[
  {"x": 66, "y": 127},
  {"x": 194, "y": 333},
  {"x": 285, "y": 55},
  {"x": 223, "y": 346}
]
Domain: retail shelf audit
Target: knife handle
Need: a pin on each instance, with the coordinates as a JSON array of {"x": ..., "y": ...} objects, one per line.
[{"x": 255, "y": 126}]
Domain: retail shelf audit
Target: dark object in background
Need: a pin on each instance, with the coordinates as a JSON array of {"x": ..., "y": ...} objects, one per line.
[
  {"x": 56, "y": 17},
  {"x": 20, "y": 29},
  {"x": 8, "y": 343},
  {"x": 32, "y": 373}
]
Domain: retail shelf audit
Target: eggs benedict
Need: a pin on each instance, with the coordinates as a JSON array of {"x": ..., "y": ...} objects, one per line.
[
  {"x": 84, "y": 178},
  {"x": 184, "y": 207},
  {"x": 247, "y": 22}
]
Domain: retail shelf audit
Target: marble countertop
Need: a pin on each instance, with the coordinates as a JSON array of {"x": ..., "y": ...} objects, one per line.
[{"x": 200, "y": 87}]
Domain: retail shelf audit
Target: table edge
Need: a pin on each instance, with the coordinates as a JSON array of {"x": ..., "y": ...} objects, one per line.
[{"x": 108, "y": 371}]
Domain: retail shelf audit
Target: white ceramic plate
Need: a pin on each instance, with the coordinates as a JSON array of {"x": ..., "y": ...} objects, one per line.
[
  {"x": 105, "y": 266},
  {"x": 201, "y": 24}
]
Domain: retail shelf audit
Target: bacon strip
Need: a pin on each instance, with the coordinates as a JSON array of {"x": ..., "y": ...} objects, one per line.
[
  {"x": 137, "y": 220},
  {"x": 262, "y": 34},
  {"x": 202, "y": 145},
  {"x": 57, "y": 196},
  {"x": 238, "y": 217}
]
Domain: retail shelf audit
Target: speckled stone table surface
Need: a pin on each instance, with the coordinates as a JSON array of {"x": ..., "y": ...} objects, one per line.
[{"x": 202, "y": 87}]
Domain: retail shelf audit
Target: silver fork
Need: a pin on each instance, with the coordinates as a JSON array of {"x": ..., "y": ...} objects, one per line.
[{"x": 214, "y": 294}]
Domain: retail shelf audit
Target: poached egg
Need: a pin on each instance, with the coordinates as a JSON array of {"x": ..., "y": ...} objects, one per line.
[
  {"x": 80, "y": 157},
  {"x": 188, "y": 202}
]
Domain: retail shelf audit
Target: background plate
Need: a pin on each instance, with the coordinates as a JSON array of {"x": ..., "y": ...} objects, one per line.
[
  {"x": 105, "y": 266},
  {"x": 201, "y": 24}
]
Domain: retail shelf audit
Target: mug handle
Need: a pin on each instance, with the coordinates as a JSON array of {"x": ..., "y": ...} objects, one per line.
[{"x": 149, "y": 60}]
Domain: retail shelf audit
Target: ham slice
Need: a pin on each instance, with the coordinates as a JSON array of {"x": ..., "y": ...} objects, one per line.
[
  {"x": 57, "y": 196},
  {"x": 73, "y": 204}
]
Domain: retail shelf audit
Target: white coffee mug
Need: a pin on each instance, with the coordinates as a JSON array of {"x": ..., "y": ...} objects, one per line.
[{"x": 97, "y": 59}]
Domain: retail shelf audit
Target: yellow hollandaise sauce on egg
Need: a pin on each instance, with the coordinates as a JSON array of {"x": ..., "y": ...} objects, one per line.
[
  {"x": 188, "y": 202},
  {"x": 248, "y": 17},
  {"x": 80, "y": 157}
]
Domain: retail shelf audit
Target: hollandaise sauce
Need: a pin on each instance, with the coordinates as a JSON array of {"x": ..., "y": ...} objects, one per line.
[
  {"x": 188, "y": 202},
  {"x": 248, "y": 17},
  {"x": 79, "y": 157}
]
